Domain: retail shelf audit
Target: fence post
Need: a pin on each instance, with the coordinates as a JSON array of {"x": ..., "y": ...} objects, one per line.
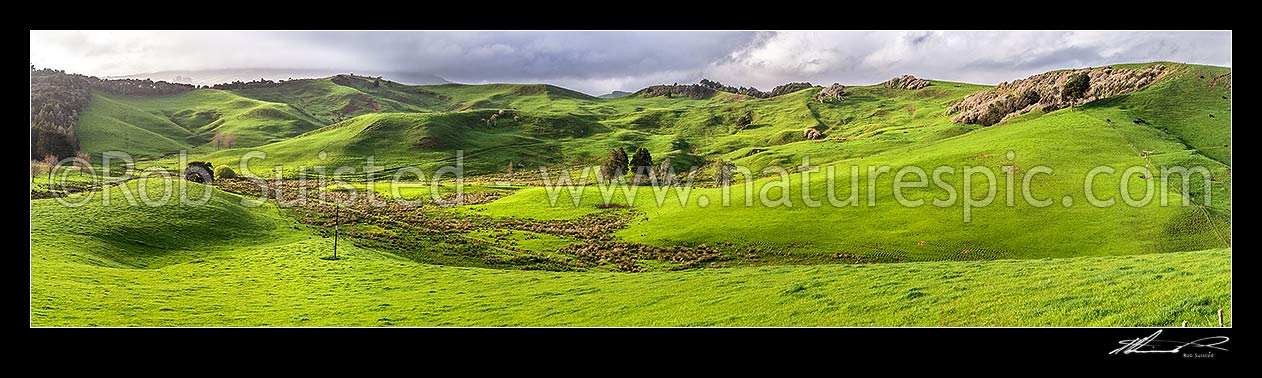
[{"x": 1220, "y": 317}]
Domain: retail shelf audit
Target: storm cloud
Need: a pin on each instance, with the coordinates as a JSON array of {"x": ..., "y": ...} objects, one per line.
[{"x": 598, "y": 62}]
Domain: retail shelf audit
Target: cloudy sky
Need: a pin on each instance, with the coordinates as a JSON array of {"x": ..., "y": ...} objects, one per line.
[{"x": 599, "y": 62}]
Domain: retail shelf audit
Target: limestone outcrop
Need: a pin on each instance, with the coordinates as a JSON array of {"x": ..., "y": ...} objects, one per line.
[{"x": 1044, "y": 91}]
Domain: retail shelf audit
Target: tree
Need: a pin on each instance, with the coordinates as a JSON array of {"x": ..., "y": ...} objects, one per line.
[
  {"x": 1076, "y": 86},
  {"x": 199, "y": 171},
  {"x": 723, "y": 172},
  {"x": 616, "y": 165},
  {"x": 216, "y": 140},
  {"x": 665, "y": 173},
  {"x": 37, "y": 167},
  {"x": 641, "y": 164},
  {"x": 50, "y": 162},
  {"x": 83, "y": 160},
  {"x": 228, "y": 140}
]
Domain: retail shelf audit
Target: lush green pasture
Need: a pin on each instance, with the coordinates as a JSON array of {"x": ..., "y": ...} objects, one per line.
[
  {"x": 101, "y": 265},
  {"x": 1068, "y": 142},
  {"x": 539, "y": 125},
  {"x": 153, "y": 126},
  {"x": 777, "y": 259}
]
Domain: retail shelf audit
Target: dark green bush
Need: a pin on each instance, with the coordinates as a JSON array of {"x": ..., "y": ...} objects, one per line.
[
  {"x": 225, "y": 172},
  {"x": 1076, "y": 86}
]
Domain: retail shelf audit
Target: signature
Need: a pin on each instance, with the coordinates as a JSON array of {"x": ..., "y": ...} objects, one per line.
[{"x": 1152, "y": 344}]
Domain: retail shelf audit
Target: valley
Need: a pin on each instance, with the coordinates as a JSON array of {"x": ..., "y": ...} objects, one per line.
[{"x": 504, "y": 244}]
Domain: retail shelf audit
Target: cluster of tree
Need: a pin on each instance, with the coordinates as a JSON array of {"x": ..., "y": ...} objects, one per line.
[
  {"x": 348, "y": 79},
  {"x": 238, "y": 84},
  {"x": 748, "y": 91},
  {"x": 56, "y": 100},
  {"x": 58, "y": 97},
  {"x": 694, "y": 91},
  {"x": 223, "y": 140},
  {"x": 50, "y": 163},
  {"x": 139, "y": 87},
  {"x": 706, "y": 88},
  {"x": 640, "y": 165}
]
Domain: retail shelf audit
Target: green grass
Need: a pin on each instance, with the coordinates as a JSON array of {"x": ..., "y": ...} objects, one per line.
[
  {"x": 151, "y": 126},
  {"x": 229, "y": 264},
  {"x": 556, "y": 127},
  {"x": 1069, "y": 142},
  {"x": 85, "y": 271},
  {"x": 1178, "y": 129}
]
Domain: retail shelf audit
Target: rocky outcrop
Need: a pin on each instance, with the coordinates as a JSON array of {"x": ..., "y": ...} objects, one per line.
[
  {"x": 1044, "y": 91},
  {"x": 905, "y": 82},
  {"x": 833, "y": 93}
]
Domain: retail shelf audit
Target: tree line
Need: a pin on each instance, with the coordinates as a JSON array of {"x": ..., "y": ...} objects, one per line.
[
  {"x": 57, "y": 99},
  {"x": 238, "y": 84},
  {"x": 706, "y": 88}
]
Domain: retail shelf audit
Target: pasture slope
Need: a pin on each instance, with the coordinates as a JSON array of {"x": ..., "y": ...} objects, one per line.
[
  {"x": 233, "y": 263},
  {"x": 122, "y": 266}
]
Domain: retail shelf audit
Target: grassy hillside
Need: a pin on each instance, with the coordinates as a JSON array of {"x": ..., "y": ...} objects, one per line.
[
  {"x": 1068, "y": 141},
  {"x": 155, "y": 125},
  {"x": 130, "y": 234},
  {"x": 1186, "y": 120},
  {"x": 328, "y": 101},
  {"x": 238, "y": 262},
  {"x": 110, "y": 125},
  {"x": 541, "y": 125},
  {"x": 84, "y": 274}
]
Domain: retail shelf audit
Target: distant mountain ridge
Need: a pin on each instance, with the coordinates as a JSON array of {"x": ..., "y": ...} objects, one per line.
[{"x": 614, "y": 94}]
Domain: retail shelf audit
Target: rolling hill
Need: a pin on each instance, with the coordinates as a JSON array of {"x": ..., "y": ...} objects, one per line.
[
  {"x": 1064, "y": 263},
  {"x": 98, "y": 265}
]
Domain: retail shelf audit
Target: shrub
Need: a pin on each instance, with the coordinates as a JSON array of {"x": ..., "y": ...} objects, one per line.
[
  {"x": 225, "y": 172},
  {"x": 744, "y": 121},
  {"x": 199, "y": 171},
  {"x": 1076, "y": 86},
  {"x": 1031, "y": 96}
]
